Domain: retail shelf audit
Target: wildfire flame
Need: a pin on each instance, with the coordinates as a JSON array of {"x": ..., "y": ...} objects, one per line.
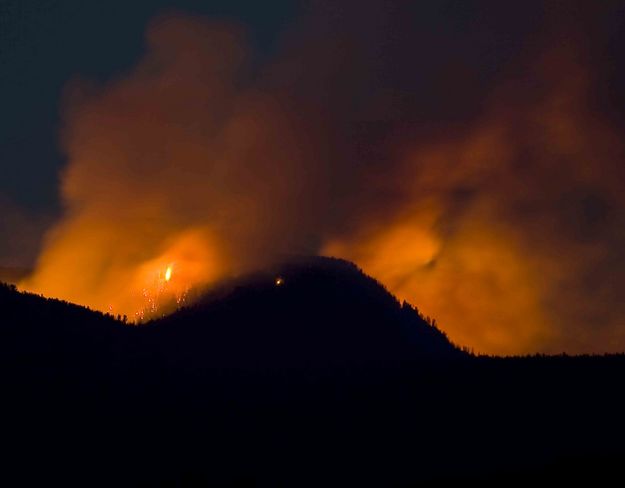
[{"x": 139, "y": 289}]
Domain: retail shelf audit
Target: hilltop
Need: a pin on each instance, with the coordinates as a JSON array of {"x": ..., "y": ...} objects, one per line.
[{"x": 304, "y": 374}]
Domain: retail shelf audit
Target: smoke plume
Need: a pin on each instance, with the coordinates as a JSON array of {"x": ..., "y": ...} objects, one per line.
[{"x": 490, "y": 199}]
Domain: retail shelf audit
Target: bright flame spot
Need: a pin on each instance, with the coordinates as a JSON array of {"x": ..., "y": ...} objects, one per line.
[
  {"x": 120, "y": 274},
  {"x": 279, "y": 281}
]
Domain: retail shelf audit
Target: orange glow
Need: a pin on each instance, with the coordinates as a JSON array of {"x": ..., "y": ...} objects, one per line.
[
  {"x": 162, "y": 169},
  {"x": 484, "y": 240},
  {"x": 73, "y": 271},
  {"x": 499, "y": 225}
]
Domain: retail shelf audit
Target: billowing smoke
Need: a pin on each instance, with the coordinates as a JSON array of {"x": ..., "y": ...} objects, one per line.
[
  {"x": 510, "y": 232},
  {"x": 492, "y": 200},
  {"x": 177, "y": 164}
]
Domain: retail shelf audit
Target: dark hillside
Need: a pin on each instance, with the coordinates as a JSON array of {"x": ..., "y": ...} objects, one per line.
[
  {"x": 317, "y": 312},
  {"x": 44, "y": 334},
  {"x": 323, "y": 379}
]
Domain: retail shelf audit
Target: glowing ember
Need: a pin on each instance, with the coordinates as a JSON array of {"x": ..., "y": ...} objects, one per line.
[
  {"x": 279, "y": 281},
  {"x": 168, "y": 273}
]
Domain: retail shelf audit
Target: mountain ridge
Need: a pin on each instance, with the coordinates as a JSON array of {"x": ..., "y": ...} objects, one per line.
[
  {"x": 207, "y": 397},
  {"x": 324, "y": 312}
]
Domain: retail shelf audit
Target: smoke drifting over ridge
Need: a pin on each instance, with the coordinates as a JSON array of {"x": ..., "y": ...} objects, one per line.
[
  {"x": 172, "y": 164},
  {"x": 510, "y": 233},
  {"x": 490, "y": 199}
]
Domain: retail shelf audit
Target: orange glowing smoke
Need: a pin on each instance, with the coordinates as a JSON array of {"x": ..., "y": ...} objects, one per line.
[
  {"x": 504, "y": 222},
  {"x": 504, "y": 225},
  {"x": 139, "y": 288},
  {"x": 173, "y": 164}
]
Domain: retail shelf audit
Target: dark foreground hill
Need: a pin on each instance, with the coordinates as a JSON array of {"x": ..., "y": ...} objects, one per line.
[
  {"x": 324, "y": 379},
  {"x": 312, "y": 313}
]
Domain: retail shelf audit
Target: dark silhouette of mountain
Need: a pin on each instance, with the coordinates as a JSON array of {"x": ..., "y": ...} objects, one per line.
[
  {"x": 312, "y": 312},
  {"x": 321, "y": 379}
]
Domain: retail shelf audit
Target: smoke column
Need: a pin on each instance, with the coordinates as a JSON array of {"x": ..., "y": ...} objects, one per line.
[{"x": 490, "y": 199}]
